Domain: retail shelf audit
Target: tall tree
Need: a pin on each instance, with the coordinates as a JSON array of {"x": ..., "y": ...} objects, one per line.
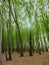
[
  {"x": 9, "y": 31},
  {"x": 18, "y": 29},
  {"x": 29, "y": 8},
  {"x": 0, "y": 37}
]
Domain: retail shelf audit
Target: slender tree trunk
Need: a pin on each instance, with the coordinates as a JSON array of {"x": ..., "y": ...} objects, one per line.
[
  {"x": 39, "y": 49},
  {"x": 12, "y": 43},
  {"x": 18, "y": 30},
  {"x": 20, "y": 39},
  {"x": 33, "y": 43},
  {"x": 0, "y": 42},
  {"x": 9, "y": 32},
  {"x": 17, "y": 42},
  {"x": 8, "y": 52},
  {"x": 3, "y": 41},
  {"x": 19, "y": 36},
  {"x": 41, "y": 43},
  {"x": 2, "y": 14},
  {"x": 30, "y": 43},
  {"x": 45, "y": 44}
]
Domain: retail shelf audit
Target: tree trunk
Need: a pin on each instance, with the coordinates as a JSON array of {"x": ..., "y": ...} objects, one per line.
[
  {"x": 19, "y": 36},
  {"x": 18, "y": 30},
  {"x": 30, "y": 43},
  {"x": 45, "y": 44},
  {"x": 17, "y": 41},
  {"x": 0, "y": 42},
  {"x": 3, "y": 41},
  {"x": 21, "y": 45},
  {"x": 9, "y": 32}
]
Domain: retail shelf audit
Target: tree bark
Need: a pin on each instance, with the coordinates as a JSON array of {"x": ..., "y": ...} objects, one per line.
[
  {"x": 3, "y": 41},
  {"x": 0, "y": 42},
  {"x": 30, "y": 43}
]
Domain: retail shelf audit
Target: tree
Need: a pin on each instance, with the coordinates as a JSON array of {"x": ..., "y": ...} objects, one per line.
[
  {"x": 0, "y": 38},
  {"x": 18, "y": 30}
]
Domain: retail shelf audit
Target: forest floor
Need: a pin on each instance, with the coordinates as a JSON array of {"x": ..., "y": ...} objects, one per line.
[{"x": 36, "y": 59}]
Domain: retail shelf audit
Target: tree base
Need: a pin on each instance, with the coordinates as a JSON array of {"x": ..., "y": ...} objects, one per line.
[{"x": 21, "y": 55}]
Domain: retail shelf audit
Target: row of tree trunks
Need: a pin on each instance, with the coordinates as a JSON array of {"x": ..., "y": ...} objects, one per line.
[{"x": 46, "y": 26}]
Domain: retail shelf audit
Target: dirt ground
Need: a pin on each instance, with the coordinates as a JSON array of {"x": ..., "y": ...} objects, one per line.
[{"x": 36, "y": 59}]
